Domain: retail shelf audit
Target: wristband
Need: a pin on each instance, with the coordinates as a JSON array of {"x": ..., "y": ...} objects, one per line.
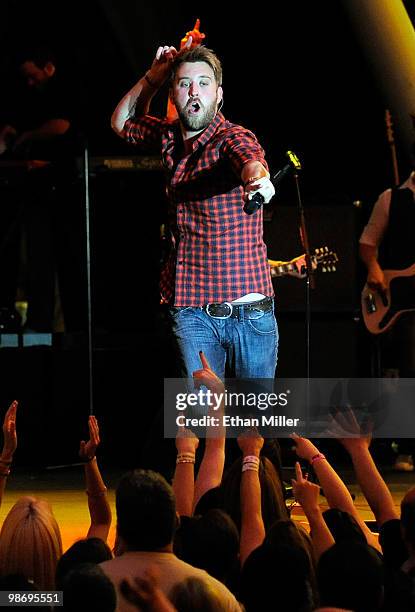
[
  {"x": 188, "y": 455},
  {"x": 252, "y": 467},
  {"x": 251, "y": 459},
  {"x": 317, "y": 457}
]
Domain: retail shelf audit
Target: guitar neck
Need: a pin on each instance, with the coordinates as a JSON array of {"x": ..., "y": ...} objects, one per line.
[{"x": 283, "y": 269}]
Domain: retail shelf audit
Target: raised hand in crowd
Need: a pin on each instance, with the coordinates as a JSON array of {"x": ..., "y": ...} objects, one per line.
[
  {"x": 9, "y": 432},
  {"x": 211, "y": 468},
  {"x": 183, "y": 481},
  {"x": 336, "y": 492},
  {"x": 357, "y": 443},
  {"x": 88, "y": 449},
  {"x": 9, "y": 445},
  {"x": 307, "y": 494},
  {"x": 252, "y": 524},
  {"x": 99, "y": 508}
]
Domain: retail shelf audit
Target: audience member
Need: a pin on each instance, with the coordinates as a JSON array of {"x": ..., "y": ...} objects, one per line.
[
  {"x": 30, "y": 539},
  {"x": 30, "y": 542},
  {"x": 146, "y": 522},
  {"x": 145, "y": 593},
  {"x": 351, "y": 575},
  {"x": 98, "y": 505},
  {"x": 336, "y": 492},
  {"x": 306, "y": 493},
  {"x": 90, "y": 550},
  {"x": 272, "y": 494},
  {"x": 195, "y": 594},
  {"x": 210, "y": 542},
  {"x": 279, "y": 576},
  {"x": 86, "y": 588}
]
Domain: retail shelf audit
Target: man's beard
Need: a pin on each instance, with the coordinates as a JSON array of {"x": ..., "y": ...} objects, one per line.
[{"x": 198, "y": 121}]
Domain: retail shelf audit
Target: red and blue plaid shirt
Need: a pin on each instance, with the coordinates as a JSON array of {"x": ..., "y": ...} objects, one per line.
[{"x": 218, "y": 253}]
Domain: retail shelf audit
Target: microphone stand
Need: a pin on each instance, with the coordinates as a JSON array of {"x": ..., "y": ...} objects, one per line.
[
  {"x": 85, "y": 178},
  {"x": 310, "y": 280}
]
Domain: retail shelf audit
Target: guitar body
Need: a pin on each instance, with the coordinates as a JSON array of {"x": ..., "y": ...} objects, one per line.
[{"x": 380, "y": 311}]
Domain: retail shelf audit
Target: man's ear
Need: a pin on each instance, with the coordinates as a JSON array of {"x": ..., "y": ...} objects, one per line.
[{"x": 49, "y": 69}]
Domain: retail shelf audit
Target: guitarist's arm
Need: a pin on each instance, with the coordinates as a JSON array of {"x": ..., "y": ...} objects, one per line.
[
  {"x": 371, "y": 238},
  {"x": 375, "y": 275}
]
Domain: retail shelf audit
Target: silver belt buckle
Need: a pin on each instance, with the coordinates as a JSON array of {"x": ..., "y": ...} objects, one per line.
[{"x": 230, "y": 306}]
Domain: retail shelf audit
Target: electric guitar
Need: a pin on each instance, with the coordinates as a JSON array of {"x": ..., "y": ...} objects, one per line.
[
  {"x": 381, "y": 309},
  {"x": 322, "y": 257}
]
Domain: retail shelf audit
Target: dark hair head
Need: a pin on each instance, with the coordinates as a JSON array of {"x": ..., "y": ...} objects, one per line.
[
  {"x": 287, "y": 534},
  {"x": 86, "y": 587},
  {"x": 276, "y": 575},
  {"x": 272, "y": 495},
  {"x": 212, "y": 499},
  {"x": 91, "y": 550},
  {"x": 343, "y": 526},
  {"x": 146, "y": 510},
  {"x": 199, "y": 54},
  {"x": 350, "y": 575},
  {"x": 210, "y": 542}
]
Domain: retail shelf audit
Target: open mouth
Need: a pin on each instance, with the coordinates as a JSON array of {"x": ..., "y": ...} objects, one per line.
[{"x": 193, "y": 107}]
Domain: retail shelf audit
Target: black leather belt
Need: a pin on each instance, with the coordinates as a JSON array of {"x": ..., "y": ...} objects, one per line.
[{"x": 225, "y": 310}]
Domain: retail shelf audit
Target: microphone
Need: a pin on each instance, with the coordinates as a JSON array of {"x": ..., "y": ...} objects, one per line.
[
  {"x": 295, "y": 162},
  {"x": 258, "y": 199}
]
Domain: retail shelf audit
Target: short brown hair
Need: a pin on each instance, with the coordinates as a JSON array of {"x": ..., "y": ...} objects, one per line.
[{"x": 199, "y": 54}]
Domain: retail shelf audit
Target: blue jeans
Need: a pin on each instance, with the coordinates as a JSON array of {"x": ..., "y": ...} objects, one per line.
[{"x": 247, "y": 346}]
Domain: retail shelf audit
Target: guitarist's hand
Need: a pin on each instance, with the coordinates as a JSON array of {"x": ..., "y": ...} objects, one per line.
[{"x": 376, "y": 278}]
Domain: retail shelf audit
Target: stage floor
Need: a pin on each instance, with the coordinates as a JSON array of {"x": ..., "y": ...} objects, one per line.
[{"x": 64, "y": 489}]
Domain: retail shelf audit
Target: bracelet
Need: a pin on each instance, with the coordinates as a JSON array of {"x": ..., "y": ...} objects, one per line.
[
  {"x": 185, "y": 461},
  {"x": 188, "y": 455},
  {"x": 150, "y": 82},
  {"x": 97, "y": 494},
  {"x": 251, "y": 459},
  {"x": 253, "y": 467},
  {"x": 317, "y": 458}
]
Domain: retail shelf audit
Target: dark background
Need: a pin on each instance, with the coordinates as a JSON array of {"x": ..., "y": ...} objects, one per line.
[{"x": 294, "y": 74}]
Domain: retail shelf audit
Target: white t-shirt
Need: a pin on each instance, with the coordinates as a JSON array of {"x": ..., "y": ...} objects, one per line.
[{"x": 170, "y": 570}]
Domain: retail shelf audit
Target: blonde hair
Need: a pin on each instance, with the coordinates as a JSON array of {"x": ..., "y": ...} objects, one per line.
[{"x": 30, "y": 542}]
